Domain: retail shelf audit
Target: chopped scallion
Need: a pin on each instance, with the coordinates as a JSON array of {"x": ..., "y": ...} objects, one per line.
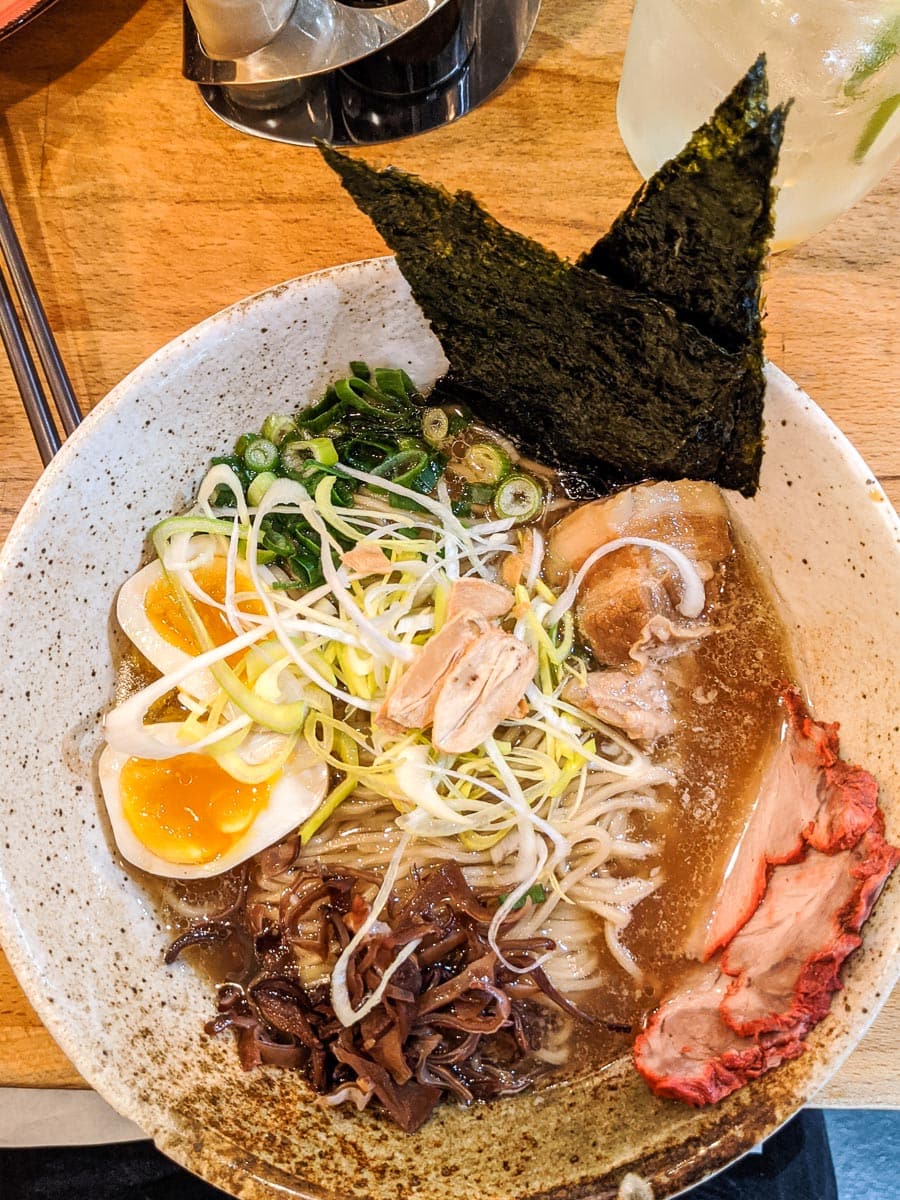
[
  {"x": 277, "y": 427},
  {"x": 484, "y": 463},
  {"x": 243, "y": 442},
  {"x": 283, "y": 545},
  {"x": 519, "y": 497},
  {"x": 259, "y": 486},
  {"x": 435, "y": 426},
  {"x": 260, "y": 455},
  {"x": 482, "y": 493},
  {"x": 536, "y": 894}
]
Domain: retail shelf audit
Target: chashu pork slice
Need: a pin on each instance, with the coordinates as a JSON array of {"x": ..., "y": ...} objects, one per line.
[
  {"x": 636, "y": 703},
  {"x": 368, "y": 559},
  {"x": 483, "y": 689},
  {"x": 785, "y": 960},
  {"x": 751, "y": 1007},
  {"x": 753, "y": 1003},
  {"x": 688, "y": 514},
  {"x": 808, "y": 796},
  {"x": 687, "y": 1052},
  {"x": 634, "y": 586},
  {"x": 480, "y": 596},
  {"x": 410, "y": 702}
]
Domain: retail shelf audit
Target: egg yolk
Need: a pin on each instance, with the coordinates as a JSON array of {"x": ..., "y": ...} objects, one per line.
[
  {"x": 187, "y": 809},
  {"x": 168, "y": 619}
]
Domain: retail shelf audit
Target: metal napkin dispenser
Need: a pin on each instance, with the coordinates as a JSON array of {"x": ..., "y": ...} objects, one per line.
[{"x": 355, "y": 72}]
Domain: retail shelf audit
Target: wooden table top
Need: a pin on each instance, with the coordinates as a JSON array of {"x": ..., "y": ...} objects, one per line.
[{"x": 142, "y": 214}]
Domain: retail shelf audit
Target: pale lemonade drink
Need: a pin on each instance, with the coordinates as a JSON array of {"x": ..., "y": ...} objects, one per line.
[{"x": 838, "y": 59}]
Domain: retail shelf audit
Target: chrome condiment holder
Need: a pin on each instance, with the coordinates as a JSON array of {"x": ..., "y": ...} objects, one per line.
[{"x": 354, "y": 75}]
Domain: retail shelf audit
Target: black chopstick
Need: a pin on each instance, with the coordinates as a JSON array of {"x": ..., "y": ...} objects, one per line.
[{"x": 40, "y": 416}]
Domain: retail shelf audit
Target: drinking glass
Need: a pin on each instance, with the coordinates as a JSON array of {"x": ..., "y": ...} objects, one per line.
[{"x": 838, "y": 59}]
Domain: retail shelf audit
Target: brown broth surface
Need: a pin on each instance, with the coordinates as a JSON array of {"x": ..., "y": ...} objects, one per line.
[
  {"x": 724, "y": 694},
  {"x": 729, "y": 720}
]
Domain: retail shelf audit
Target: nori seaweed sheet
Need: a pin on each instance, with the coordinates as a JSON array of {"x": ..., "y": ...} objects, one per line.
[
  {"x": 580, "y": 372},
  {"x": 645, "y": 359},
  {"x": 695, "y": 235}
]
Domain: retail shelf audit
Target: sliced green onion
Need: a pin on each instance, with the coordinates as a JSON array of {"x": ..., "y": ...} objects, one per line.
[
  {"x": 459, "y": 420},
  {"x": 280, "y": 543},
  {"x": 536, "y": 894},
  {"x": 245, "y": 440},
  {"x": 394, "y": 383},
  {"x": 482, "y": 493},
  {"x": 318, "y": 416},
  {"x": 259, "y": 485},
  {"x": 277, "y": 426},
  {"x": 435, "y": 426},
  {"x": 229, "y": 460},
  {"x": 403, "y": 467},
  {"x": 483, "y": 463},
  {"x": 323, "y": 451},
  {"x": 357, "y": 395},
  {"x": 261, "y": 455},
  {"x": 462, "y": 505},
  {"x": 296, "y": 453},
  {"x": 519, "y": 497},
  {"x": 223, "y": 496}
]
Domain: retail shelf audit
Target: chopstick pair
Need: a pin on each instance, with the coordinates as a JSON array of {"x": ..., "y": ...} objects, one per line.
[{"x": 18, "y": 351}]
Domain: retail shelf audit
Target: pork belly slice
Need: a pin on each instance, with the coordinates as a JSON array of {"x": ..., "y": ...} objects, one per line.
[
  {"x": 785, "y": 961},
  {"x": 488, "y": 600},
  {"x": 688, "y": 514},
  {"x": 622, "y": 602},
  {"x": 808, "y": 796},
  {"x": 625, "y": 592},
  {"x": 688, "y": 1053},
  {"x": 410, "y": 703},
  {"x": 483, "y": 689},
  {"x": 635, "y": 703}
]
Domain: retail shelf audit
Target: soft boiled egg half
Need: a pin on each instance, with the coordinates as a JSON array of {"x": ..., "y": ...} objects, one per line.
[
  {"x": 186, "y": 818},
  {"x": 154, "y": 622}
]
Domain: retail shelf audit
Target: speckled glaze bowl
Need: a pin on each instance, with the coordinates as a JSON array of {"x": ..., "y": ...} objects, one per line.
[{"x": 79, "y": 929}]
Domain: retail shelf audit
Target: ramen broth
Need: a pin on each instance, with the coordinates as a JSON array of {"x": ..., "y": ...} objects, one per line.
[
  {"x": 728, "y": 722},
  {"x": 728, "y": 719}
]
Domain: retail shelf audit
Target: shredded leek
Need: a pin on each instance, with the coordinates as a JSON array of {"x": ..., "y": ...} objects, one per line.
[{"x": 315, "y": 664}]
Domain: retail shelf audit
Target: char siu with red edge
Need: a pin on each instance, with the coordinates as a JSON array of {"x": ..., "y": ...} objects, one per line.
[
  {"x": 808, "y": 796},
  {"x": 779, "y": 933}
]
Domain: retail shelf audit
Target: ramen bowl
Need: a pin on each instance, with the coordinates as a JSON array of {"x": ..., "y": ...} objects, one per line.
[{"x": 82, "y": 932}]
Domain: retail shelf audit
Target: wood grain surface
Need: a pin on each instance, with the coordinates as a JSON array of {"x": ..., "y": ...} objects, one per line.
[{"x": 142, "y": 214}]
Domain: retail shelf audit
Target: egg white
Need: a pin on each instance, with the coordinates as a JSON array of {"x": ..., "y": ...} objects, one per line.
[
  {"x": 296, "y": 794},
  {"x": 139, "y": 629}
]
